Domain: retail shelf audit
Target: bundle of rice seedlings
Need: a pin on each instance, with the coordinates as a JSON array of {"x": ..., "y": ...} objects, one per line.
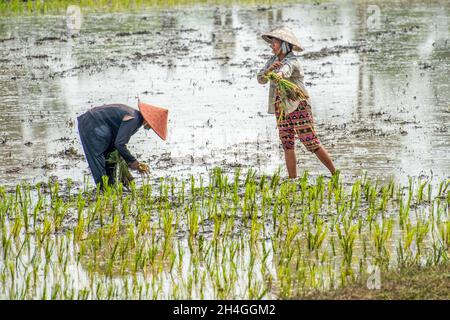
[
  {"x": 291, "y": 90},
  {"x": 122, "y": 172},
  {"x": 288, "y": 90}
]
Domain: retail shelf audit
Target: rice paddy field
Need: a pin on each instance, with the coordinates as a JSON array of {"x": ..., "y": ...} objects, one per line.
[
  {"x": 217, "y": 218},
  {"x": 228, "y": 237}
]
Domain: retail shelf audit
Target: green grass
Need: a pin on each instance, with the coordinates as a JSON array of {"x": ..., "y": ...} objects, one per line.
[
  {"x": 429, "y": 283},
  {"x": 60, "y": 6}
]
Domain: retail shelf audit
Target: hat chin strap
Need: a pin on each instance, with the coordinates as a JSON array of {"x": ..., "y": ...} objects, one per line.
[
  {"x": 278, "y": 52},
  {"x": 284, "y": 49}
]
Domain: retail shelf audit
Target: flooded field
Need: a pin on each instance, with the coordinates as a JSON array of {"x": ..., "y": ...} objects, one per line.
[{"x": 380, "y": 98}]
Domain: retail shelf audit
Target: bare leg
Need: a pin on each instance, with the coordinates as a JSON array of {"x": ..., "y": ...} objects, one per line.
[
  {"x": 291, "y": 162},
  {"x": 324, "y": 157}
]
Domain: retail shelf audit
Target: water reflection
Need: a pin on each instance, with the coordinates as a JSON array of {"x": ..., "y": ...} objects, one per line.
[{"x": 223, "y": 35}]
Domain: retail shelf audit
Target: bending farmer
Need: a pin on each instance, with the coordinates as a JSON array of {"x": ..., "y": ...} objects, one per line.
[{"x": 108, "y": 128}]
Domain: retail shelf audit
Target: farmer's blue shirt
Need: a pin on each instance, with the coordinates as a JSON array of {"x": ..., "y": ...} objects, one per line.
[{"x": 109, "y": 131}]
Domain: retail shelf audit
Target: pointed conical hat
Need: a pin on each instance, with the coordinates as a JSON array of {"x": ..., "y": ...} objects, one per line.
[
  {"x": 156, "y": 117},
  {"x": 284, "y": 34}
]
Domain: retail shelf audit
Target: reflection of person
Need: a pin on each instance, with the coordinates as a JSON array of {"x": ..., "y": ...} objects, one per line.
[
  {"x": 297, "y": 120},
  {"x": 108, "y": 128}
]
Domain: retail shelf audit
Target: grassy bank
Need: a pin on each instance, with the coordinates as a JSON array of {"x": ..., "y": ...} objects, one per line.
[
  {"x": 415, "y": 283},
  {"x": 60, "y": 6}
]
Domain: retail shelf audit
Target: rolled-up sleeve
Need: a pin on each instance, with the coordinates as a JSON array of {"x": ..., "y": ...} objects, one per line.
[
  {"x": 287, "y": 69},
  {"x": 126, "y": 130}
]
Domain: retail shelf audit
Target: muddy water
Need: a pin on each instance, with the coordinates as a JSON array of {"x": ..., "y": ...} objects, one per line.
[{"x": 380, "y": 92}]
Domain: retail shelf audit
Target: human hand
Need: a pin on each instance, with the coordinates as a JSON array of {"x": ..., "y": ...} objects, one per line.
[
  {"x": 275, "y": 65},
  {"x": 134, "y": 165},
  {"x": 143, "y": 168}
]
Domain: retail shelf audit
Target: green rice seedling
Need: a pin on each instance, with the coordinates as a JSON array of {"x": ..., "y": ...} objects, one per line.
[
  {"x": 69, "y": 184},
  {"x": 355, "y": 196},
  {"x": 315, "y": 239},
  {"x": 59, "y": 213},
  {"x": 49, "y": 247},
  {"x": 18, "y": 255},
  {"x": 255, "y": 229},
  {"x": 320, "y": 189},
  {"x": 126, "y": 207},
  {"x": 439, "y": 255},
  {"x": 172, "y": 187},
  {"x": 144, "y": 225},
  {"x": 3, "y": 211},
  {"x": 19, "y": 196},
  {"x": 347, "y": 236},
  {"x": 181, "y": 197},
  {"x": 250, "y": 177},
  {"x": 401, "y": 256},
  {"x": 381, "y": 235},
  {"x": 404, "y": 209},
  {"x": 36, "y": 210},
  {"x": 192, "y": 187},
  {"x": 193, "y": 218},
  {"x": 443, "y": 188},
  {"x": 303, "y": 183},
  {"x": 429, "y": 192},
  {"x": 409, "y": 235},
  {"x": 266, "y": 201},
  {"x": 410, "y": 184},
  {"x": 230, "y": 221},
  {"x": 133, "y": 190},
  {"x": 249, "y": 204},
  {"x": 54, "y": 190},
  {"x": 420, "y": 191},
  {"x": 274, "y": 181},
  {"x": 384, "y": 199},
  {"x": 237, "y": 175},
  {"x": 24, "y": 212},
  {"x": 444, "y": 232},
  {"x": 422, "y": 228},
  {"x": 17, "y": 226},
  {"x": 6, "y": 245},
  {"x": 339, "y": 196},
  {"x": 312, "y": 194},
  {"x": 168, "y": 231}
]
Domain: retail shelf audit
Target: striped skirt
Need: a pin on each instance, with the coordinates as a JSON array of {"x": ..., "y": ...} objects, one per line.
[{"x": 298, "y": 123}]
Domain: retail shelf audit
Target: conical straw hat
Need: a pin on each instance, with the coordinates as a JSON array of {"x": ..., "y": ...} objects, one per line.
[
  {"x": 156, "y": 117},
  {"x": 285, "y": 34}
]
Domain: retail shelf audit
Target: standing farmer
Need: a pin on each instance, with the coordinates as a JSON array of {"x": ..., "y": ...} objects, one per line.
[
  {"x": 294, "y": 117},
  {"x": 108, "y": 128}
]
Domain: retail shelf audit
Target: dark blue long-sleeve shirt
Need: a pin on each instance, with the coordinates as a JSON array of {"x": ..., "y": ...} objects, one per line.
[{"x": 113, "y": 132}]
